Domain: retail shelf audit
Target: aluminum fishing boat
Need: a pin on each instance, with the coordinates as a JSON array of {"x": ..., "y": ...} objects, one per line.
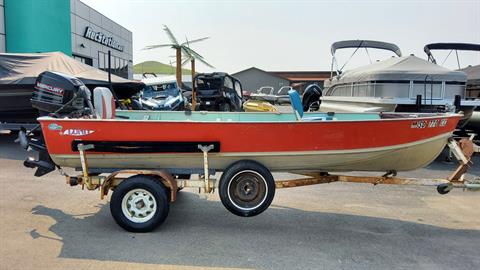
[
  {"x": 138, "y": 153},
  {"x": 279, "y": 141}
]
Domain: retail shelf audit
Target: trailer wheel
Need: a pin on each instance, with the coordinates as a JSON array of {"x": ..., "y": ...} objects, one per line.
[
  {"x": 444, "y": 189},
  {"x": 246, "y": 188},
  {"x": 140, "y": 203}
]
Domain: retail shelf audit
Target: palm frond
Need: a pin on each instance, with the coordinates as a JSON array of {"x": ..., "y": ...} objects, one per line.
[
  {"x": 157, "y": 46},
  {"x": 186, "y": 52},
  {"x": 188, "y": 42},
  {"x": 191, "y": 52},
  {"x": 205, "y": 62},
  {"x": 170, "y": 35},
  {"x": 185, "y": 61}
]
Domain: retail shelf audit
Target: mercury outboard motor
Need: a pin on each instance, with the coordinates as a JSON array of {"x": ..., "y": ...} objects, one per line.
[
  {"x": 56, "y": 95},
  {"x": 61, "y": 95}
]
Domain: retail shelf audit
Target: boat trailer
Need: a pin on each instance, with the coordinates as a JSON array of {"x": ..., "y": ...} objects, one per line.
[{"x": 238, "y": 192}]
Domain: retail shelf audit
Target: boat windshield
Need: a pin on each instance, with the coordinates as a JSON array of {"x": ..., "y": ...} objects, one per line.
[
  {"x": 284, "y": 90},
  {"x": 265, "y": 90},
  {"x": 166, "y": 89}
]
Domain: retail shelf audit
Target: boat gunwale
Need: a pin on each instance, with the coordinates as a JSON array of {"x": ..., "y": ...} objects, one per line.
[
  {"x": 398, "y": 100},
  {"x": 444, "y": 115}
]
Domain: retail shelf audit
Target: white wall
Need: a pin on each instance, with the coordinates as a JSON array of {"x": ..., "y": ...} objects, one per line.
[{"x": 82, "y": 16}]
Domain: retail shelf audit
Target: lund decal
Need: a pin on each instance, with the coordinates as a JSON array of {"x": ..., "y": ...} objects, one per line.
[
  {"x": 54, "y": 126},
  {"x": 77, "y": 132}
]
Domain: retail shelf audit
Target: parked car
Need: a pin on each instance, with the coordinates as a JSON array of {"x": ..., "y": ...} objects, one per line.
[{"x": 218, "y": 91}]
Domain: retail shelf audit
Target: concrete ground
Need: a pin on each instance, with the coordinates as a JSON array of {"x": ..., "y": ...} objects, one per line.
[{"x": 47, "y": 224}]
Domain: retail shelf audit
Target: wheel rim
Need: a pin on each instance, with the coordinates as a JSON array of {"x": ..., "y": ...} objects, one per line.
[
  {"x": 139, "y": 205},
  {"x": 247, "y": 190}
]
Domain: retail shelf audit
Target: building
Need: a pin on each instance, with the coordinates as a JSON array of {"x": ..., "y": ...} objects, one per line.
[
  {"x": 69, "y": 26},
  {"x": 301, "y": 79},
  {"x": 253, "y": 78}
]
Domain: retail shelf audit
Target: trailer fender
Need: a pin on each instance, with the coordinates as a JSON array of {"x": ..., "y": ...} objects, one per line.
[{"x": 166, "y": 178}]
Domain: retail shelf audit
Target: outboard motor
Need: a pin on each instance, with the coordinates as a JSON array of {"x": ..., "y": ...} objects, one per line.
[
  {"x": 57, "y": 95},
  {"x": 311, "y": 98},
  {"x": 61, "y": 95}
]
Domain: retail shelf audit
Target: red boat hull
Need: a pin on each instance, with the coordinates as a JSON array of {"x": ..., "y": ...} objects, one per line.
[{"x": 280, "y": 142}]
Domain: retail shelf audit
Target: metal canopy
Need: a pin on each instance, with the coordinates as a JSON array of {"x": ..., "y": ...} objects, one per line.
[
  {"x": 365, "y": 44},
  {"x": 449, "y": 46}
]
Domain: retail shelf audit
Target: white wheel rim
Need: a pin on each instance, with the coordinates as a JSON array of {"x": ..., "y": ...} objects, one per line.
[{"x": 139, "y": 205}]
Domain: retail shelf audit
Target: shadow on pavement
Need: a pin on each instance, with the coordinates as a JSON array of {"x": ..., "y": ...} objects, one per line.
[
  {"x": 11, "y": 150},
  {"x": 272, "y": 240}
]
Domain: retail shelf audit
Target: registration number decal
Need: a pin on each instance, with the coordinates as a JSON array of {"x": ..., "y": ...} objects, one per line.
[{"x": 429, "y": 123}]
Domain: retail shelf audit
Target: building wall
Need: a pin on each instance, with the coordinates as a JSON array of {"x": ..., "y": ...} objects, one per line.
[
  {"x": 28, "y": 26},
  {"x": 37, "y": 26},
  {"x": 2, "y": 27},
  {"x": 254, "y": 78},
  {"x": 82, "y": 16}
]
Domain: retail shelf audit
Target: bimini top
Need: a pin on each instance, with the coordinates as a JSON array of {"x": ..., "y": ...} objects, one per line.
[
  {"x": 473, "y": 74},
  {"x": 449, "y": 46},
  {"x": 365, "y": 44},
  {"x": 407, "y": 68}
]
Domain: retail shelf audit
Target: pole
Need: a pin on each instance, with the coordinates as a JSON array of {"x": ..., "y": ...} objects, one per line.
[
  {"x": 194, "y": 92},
  {"x": 179, "y": 67},
  {"x": 110, "y": 70},
  {"x": 110, "y": 81}
]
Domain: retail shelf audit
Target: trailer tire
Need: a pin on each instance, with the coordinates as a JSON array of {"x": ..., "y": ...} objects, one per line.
[
  {"x": 444, "y": 189},
  {"x": 140, "y": 203},
  {"x": 246, "y": 188}
]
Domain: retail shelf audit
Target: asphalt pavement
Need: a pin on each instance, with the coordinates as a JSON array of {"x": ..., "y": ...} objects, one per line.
[{"x": 47, "y": 224}]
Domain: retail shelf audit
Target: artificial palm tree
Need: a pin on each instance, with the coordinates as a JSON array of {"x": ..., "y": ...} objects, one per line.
[{"x": 190, "y": 54}]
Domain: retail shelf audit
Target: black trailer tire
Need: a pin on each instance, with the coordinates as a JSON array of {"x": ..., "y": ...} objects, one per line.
[
  {"x": 246, "y": 188},
  {"x": 140, "y": 203},
  {"x": 443, "y": 189}
]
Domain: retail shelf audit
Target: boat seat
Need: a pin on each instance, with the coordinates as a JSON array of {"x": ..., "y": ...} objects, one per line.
[
  {"x": 104, "y": 103},
  {"x": 297, "y": 106}
]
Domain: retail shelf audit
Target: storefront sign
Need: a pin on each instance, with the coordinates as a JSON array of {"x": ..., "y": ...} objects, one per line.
[{"x": 102, "y": 38}]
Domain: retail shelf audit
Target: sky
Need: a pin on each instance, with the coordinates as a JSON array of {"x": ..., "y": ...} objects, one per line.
[{"x": 294, "y": 35}]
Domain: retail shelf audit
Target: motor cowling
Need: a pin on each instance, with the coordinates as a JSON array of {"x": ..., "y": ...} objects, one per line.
[{"x": 54, "y": 91}]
